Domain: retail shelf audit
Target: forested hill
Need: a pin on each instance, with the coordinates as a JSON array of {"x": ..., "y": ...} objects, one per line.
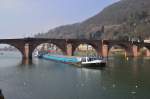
[{"x": 124, "y": 19}]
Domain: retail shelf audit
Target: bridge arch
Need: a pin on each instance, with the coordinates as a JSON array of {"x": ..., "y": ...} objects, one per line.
[
  {"x": 84, "y": 49},
  {"x": 50, "y": 47},
  {"x": 12, "y": 47},
  {"x": 144, "y": 51},
  {"x": 118, "y": 48}
]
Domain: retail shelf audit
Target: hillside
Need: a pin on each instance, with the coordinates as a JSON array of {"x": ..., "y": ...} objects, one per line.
[{"x": 126, "y": 18}]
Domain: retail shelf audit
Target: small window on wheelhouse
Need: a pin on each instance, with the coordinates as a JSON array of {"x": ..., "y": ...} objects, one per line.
[{"x": 83, "y": 59}]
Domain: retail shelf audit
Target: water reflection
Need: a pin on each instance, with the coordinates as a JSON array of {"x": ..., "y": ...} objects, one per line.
[{"x": 27, "y": 62}]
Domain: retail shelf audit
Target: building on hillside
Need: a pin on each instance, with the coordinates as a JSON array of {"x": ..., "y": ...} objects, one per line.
[{"x": 84, "y": 47}]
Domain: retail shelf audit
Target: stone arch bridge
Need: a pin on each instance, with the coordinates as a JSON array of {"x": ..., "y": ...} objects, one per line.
[{"x": 27, "y": 45}]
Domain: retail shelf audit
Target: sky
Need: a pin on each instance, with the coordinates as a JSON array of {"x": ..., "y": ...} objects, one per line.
[{"x": 24, "y": 18}]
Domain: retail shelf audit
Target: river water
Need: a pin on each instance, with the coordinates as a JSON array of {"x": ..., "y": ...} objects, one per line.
[{"x": 120, "y": 79}]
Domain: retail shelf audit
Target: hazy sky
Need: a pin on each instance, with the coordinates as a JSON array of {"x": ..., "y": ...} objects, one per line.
[{"x": 23, "y": 18}]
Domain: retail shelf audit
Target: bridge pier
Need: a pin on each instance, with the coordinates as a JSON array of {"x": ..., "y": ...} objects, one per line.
[
  {"x": 148, "y": 53},
  {"x": 69, "y": 49},
  {"x": 105, "y": 50},
  {"x": 132, "y": 51},
  {"x": 27, "y": 53}
]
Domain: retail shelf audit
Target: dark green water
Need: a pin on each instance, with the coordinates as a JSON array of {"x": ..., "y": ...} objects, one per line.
[{"x": 120, "y": 79}]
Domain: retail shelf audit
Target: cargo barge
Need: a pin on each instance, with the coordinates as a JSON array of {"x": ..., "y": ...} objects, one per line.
[{"x": 77, "y": 61}]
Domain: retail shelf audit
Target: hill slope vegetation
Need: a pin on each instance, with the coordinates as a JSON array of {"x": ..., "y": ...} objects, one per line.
[{"x": 122, "y": 20}]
